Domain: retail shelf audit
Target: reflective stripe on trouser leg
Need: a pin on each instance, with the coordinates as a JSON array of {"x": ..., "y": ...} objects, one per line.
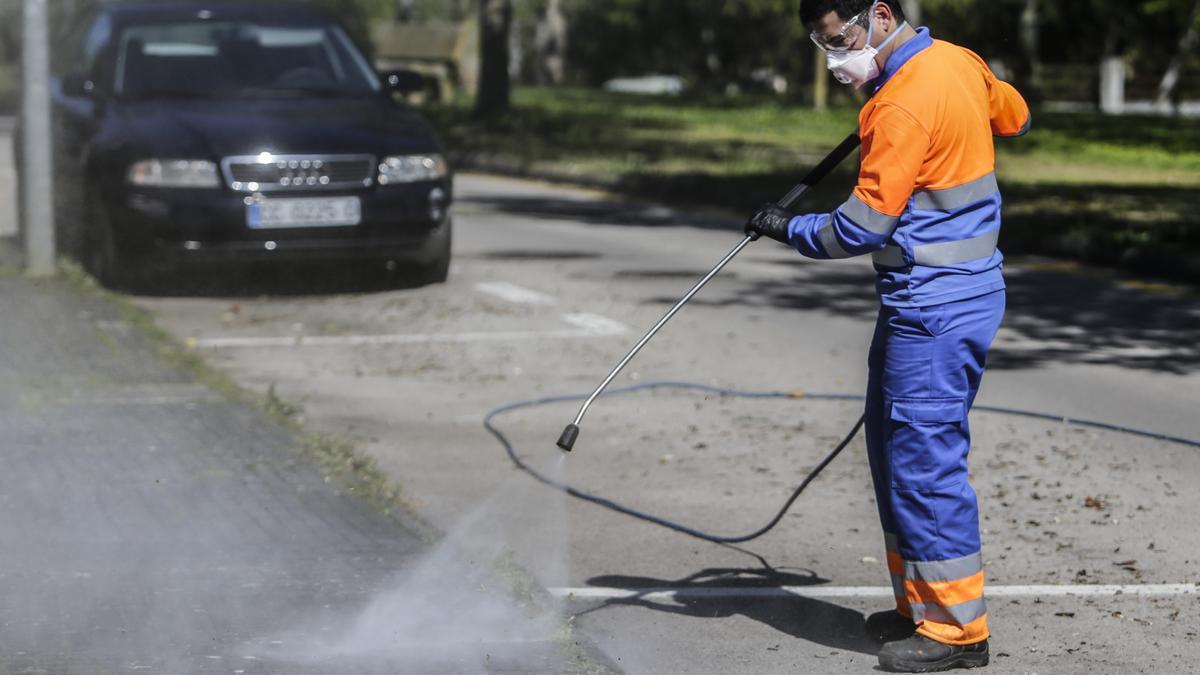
[
  {"x": 926, "y": 365},
  {"x": 895, "y": 565}
]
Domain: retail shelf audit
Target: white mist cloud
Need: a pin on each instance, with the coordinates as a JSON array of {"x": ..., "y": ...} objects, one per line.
[{"x": 459, "y": 607}]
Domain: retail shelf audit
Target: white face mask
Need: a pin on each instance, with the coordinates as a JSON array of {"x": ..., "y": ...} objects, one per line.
[{"x": 858, "y": 66}]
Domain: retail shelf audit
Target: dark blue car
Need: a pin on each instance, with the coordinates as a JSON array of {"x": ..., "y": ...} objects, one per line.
[{"x": 193, "y": 133}]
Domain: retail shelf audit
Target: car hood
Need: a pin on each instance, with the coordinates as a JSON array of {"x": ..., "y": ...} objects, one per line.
[{"x": 216, "y": 129}]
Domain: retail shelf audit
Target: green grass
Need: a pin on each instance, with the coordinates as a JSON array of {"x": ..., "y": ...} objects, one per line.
[
  {"x": 614, "y": 134},
  {"x": 1114, "y": 190},
  {"x": 1102, "y": 149}
]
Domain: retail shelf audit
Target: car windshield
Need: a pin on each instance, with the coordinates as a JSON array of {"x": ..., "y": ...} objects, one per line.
[{"x": 211, "y": 59}]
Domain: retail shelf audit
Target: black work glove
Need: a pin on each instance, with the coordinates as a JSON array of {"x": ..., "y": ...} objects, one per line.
[{"x": 771, "y": 220}]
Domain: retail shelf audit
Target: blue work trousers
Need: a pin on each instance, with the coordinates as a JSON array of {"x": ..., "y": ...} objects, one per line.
[{"x": 926, "y": 365}]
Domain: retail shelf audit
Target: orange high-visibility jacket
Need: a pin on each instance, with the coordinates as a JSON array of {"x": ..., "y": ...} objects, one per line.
[{"x": 927, "y": 205}]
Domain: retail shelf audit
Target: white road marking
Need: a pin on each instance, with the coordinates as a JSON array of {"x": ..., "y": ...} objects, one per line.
[
  {"x": 596, "y": 324},
  {"x": 998, "y": 591},
  {"x": 585, "y": 326},
  {"x": 515, "y": 294}
]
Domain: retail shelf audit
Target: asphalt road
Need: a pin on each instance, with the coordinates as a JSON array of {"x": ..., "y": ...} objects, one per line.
[{"x": 1087, "y": 532}]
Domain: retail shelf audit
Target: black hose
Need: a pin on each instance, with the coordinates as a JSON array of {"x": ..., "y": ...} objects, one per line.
[{"x": 812, "y": 475}]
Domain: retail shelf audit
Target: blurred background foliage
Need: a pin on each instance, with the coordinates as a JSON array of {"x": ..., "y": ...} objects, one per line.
[
  {"x": 714, "y": 44},
  {"x": 748, "y": 45},
  {"x": 1112, "y": 189}
]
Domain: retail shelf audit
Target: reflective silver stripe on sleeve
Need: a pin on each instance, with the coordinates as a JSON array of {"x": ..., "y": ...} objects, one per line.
[
  {"x": 956, "y": 615},
  {"x": 890, "y": 256},
  {"x": 868, "y": 218},
  {"x": 829, "y": 242},
  {"x": 956, "y": 197},
  {"x": 944, "y": 570},
  {"x": 955, "y": 252}
]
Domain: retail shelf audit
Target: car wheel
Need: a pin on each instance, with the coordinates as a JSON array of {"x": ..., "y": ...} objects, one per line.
[
  {"x": 103, "y": 257},
  {"x": 69, "y": 227}
]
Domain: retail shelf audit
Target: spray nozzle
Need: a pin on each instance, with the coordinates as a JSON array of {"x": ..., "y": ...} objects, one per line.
[{"x": 567, "y": 440}]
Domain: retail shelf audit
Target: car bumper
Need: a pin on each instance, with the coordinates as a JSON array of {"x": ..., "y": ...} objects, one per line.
[{"x": 169, "y": 227}]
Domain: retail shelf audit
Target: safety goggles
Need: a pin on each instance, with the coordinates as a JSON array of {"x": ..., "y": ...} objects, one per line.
[{"x": 844, "y": 37}]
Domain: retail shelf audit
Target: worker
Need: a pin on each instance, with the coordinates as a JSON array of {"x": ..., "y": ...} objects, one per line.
[{"x": 927, "y": 209}]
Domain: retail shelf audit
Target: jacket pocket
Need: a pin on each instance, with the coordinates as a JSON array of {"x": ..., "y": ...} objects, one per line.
[{"x": 933, "y": 319}]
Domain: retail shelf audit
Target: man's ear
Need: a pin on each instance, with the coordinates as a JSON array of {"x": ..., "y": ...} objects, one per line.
[{"x": 886, "y": 18}]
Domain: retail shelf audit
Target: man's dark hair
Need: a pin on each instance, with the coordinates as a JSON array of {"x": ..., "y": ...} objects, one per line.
[{"x": 814, "y": 10}]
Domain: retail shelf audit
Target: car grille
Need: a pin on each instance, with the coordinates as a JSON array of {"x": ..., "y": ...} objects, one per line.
[{"x": 279, "y": 173}]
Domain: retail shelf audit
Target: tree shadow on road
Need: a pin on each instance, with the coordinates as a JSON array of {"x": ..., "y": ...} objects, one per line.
[
  {"x": 800, "y": 617},
  {"x": 1053, "y": 317},
  {"x": 730, "y": 199},
  {"x": 599, "y": 211}
]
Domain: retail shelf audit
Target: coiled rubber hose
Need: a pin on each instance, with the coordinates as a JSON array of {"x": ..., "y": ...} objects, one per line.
[{"x": 488, "y": 423}]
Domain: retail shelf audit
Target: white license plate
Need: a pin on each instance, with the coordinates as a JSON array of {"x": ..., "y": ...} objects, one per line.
[{"x": 267, "y": 213}]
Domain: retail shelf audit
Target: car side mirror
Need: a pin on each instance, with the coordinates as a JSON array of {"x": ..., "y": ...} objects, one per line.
[
  {"x": 404, "y": 81},
  {"x": 78, "y": 85}
]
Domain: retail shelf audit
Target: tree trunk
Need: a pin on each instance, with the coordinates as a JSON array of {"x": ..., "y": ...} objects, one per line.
[
  {"x": 495, "y": 22},
  {"x": 1170, "y": 80},
  {"x": 820, "y": 80},
  {"x": 1029, "y": 47},
  {"x": 552, "y": 44},
  {"x": 711, "y": 66},
  {"x": 458, "y": 10},
  {"x": 912, "y": 12},
  {"x": 404, "y": 11}
]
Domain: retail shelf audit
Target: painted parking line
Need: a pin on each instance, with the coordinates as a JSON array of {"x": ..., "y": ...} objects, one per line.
[
  {"x": 583, "y": 326},
  {"x": 515, "y": 294},
  {"x": 734, "y": 593}
]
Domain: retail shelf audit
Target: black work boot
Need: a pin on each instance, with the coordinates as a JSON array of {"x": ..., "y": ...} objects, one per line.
[
  {"x": 889, "y": 626},
  {"x": 919, "y": 654}
]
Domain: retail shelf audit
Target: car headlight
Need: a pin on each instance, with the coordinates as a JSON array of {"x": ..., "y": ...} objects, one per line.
[
  {"x": 411, "y": 169},
  {"x": 185, "y": 173}
]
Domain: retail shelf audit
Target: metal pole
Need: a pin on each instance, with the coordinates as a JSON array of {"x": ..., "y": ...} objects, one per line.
[
  {"x": 571, "y": 433},
  {"x": 37, "y": 180},
  {"x": 658, "y": 326}
]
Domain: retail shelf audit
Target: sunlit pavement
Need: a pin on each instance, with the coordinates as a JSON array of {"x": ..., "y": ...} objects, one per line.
[
  {"x": 152, "y": 525},
  {"x": 409, "y": 375}
]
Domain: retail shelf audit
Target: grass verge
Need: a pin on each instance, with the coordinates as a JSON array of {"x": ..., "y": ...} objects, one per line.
[{"x": 1117, "y": 191}]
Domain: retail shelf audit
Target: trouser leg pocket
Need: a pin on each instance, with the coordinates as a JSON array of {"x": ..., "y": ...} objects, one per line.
[
  {"x": 928, "y": 442},
  {"x": 937, "y": 517}
]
